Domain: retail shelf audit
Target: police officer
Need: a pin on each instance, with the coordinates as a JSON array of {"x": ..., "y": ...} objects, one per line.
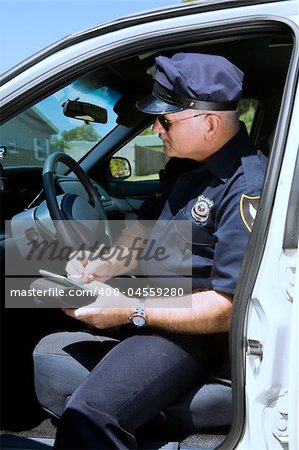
[{"x": 213, "y": 182}]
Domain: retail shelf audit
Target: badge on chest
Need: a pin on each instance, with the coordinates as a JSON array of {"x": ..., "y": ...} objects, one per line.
[{"x": 200, "y": 211}]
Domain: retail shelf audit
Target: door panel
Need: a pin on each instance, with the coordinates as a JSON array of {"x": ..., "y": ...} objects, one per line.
[{"x": 271, "y": 330}]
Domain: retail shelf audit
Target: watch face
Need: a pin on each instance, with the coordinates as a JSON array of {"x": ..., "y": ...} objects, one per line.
[{"x": 138, "y": 321}]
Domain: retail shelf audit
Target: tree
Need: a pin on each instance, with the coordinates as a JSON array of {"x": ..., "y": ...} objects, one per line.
[
  {"x": 81, "y": 133},
  {"x": 58, "y": 145}
]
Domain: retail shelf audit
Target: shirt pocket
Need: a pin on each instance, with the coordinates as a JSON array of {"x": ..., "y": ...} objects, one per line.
[
  {"x": 185, "y": 242},
  {"x": 192, "y": 234}
]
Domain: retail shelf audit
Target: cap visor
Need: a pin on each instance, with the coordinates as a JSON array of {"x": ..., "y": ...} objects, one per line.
[{"x": 153, "y": 105}]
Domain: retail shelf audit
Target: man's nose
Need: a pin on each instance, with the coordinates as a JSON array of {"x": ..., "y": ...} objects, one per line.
[{"x": 157, "y": 127}]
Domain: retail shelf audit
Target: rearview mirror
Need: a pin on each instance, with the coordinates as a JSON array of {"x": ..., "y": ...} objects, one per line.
[
  {"x": 120, "y": 168},
  {"x": 84, "y": 111}
]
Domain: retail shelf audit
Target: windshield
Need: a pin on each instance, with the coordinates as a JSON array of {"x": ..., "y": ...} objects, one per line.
[{"x": 43, "y": 128}]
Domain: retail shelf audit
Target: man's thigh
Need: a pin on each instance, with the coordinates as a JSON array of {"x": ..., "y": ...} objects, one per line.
[
  {"x": 139, "y": 377},
  {"x": 62, "y": 361}
]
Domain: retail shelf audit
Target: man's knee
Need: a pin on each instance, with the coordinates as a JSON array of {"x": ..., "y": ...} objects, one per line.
[{"x": 57, "y": 373}]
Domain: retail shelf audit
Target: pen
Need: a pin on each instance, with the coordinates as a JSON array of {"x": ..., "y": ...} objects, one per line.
[{"x": 78, "y": 276}]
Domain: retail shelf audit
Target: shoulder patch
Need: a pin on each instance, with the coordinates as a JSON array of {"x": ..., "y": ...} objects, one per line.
[{"x": 248, "y": 209}]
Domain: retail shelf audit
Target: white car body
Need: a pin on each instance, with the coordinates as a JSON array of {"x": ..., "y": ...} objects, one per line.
[{"x": 265, "y": 326}]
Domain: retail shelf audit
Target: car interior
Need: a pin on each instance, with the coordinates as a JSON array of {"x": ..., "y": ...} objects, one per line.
[{"x": 122, "y": 158}]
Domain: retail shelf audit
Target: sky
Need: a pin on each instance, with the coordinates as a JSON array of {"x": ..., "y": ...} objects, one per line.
[{"x": 29, "y": 26}]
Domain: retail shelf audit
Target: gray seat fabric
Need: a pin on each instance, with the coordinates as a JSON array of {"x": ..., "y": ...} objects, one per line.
[{"x": 203, "y": 408}]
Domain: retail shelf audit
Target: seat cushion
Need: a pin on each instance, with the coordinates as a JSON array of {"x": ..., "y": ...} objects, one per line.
[{"x": 207, "y": 407}]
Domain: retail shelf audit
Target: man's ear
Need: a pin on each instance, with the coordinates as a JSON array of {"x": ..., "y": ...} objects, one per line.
[{"x": 212, "y": 126}]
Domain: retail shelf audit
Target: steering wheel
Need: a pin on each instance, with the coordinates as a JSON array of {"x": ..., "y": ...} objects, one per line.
[{"x": 79, "y": 220}]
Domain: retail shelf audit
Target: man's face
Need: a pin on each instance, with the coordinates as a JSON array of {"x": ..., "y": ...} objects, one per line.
[{"x": 186, "y": 134}]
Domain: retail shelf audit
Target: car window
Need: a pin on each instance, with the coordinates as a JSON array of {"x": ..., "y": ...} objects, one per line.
[
  {"x": 145, "y": 154},
  {"x": 44, "y": 128},
  {"x": 145, "y": 151},
  {"x": 248, "y": 108}
]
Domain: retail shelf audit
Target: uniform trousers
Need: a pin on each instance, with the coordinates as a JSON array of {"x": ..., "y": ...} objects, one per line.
[{"x": 103, "y": 389}]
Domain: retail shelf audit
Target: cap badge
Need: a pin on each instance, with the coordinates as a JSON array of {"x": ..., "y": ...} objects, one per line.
[
  {"x": 201, "y": 210},
  {"x": 248, "y": 209}
]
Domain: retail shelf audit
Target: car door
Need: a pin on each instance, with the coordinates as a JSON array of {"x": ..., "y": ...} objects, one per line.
[{"x": 268, "y": 317}]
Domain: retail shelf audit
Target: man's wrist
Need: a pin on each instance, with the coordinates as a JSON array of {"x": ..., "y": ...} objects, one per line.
[{"x": 138, "y": 316}]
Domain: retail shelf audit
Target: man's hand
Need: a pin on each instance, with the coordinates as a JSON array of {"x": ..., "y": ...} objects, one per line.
[
  {"x": 104, "y": 263},
  {"x": 85, "y": 267},
  {"x": 100, "y": 317},
  {"x": 107, "y": 311}
]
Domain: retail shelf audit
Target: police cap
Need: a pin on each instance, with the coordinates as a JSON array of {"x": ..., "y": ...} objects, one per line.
[{"x": 193, "y": 81}]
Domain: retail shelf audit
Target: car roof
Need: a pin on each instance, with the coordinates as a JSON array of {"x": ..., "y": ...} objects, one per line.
[{"x": 127, "y": 21}]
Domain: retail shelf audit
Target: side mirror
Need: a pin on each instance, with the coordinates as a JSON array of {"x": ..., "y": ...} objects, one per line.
[
  {"x": 3, "y": 152},
  {"x": 84, "y": 111},
  {"x": 120, "y": 168}
]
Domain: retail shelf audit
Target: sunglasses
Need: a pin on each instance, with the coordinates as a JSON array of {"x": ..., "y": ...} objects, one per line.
[{"x": 166, "y": 124}]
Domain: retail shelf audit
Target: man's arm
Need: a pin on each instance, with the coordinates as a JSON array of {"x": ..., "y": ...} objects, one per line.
[
  {"x": 205, "y": 312},
  {"x": 200, "y": 313}
]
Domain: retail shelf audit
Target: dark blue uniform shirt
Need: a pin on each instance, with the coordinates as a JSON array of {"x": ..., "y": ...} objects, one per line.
[{"x": 220, "y": 199}]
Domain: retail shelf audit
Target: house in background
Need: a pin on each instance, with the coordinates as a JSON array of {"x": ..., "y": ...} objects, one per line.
[{"x": 24, "y": 148}]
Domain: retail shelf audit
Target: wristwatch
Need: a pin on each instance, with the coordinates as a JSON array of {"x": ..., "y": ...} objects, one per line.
[{"x": 138, "y": 318}]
